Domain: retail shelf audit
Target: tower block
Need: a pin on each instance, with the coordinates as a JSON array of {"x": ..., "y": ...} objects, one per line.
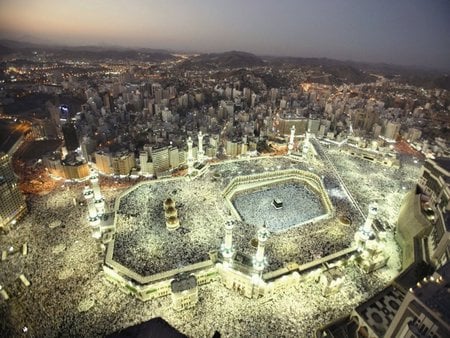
[
  {"x": 201, "y": 153},
  {"x": 259, "y": 261},
  {"x": 291, "y": 140},
  {"x": 227, "y": 246},
  {"x": 99, "y": 201},
  {"x": 373, "y": 210},
  {"x": 190, "y": 157},
  {"x": 306, "y": 145},
  {"x": 94, "y": 220}
]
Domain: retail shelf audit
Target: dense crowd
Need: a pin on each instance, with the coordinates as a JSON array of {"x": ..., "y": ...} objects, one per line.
[
  {"x": 299, "y": 205},
  {"x": 59, "y": 263},
  {"x": 143, "y": 243},
  {"x": 294, "y": 312},
  {"x": 369, "y": 182},
  {"x": 69, "y": 296}
]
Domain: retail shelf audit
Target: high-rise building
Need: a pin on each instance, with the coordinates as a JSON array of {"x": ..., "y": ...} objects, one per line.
[
  {"x": 70, "y": 136},
  {"x": 424, "y": 310},
  {"x": 392, "y": 130},
  {"x": 313, "y": 126},
  {"x": 160, "y": 159},
  {"x": 231, "y": 148},
  {"x": 413, "y": 134},
  {"x": 422, "y": 228},
  {"x": 174, "y": 157},
  {"x": 122, "y": 163},
  {"x": 182, "y": 156},
  {"x": 71, "y": 168},
  {"x": 88, "y": 146},
  {"x": 12, "y": 203},
  {"x": 104, "y": 162},
  {"x": 108, "y": 101},
  {"x": 143, "y": 161},
  {"x": 54, "y": 113}
]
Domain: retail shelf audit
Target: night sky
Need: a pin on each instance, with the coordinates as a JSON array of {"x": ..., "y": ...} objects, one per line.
[{"x": 411, "y": 32}]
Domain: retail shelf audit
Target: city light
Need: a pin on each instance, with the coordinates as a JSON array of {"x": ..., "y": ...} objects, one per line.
[{"x": 230, "y": 193}]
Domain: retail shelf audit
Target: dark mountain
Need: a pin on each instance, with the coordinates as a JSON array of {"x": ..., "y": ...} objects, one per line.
[
  {"x": 13, "y": 44},
  {"x": 232, "y": 59},
  {"x": 359, "y": 72},
  {"x": 327, "y": 71},
  {"x": 4, "y": 50},
  {"x": 112, "y": 54},
  {"x": 347, "y": 74},
  {"x": 322, "y": 70},
  {"x": 88, "y": 52}
]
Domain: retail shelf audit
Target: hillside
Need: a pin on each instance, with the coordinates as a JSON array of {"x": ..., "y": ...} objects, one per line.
[{"x": 232, "y": 59}]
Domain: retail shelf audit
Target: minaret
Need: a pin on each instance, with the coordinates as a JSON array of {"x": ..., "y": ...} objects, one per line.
[
  {"x": 98, "y": 198},
  {"x": 306, "y": 144},
  {"x": 291, "y": 140},
  {"x": 371, "y": 251},
  {"x": 190, "y": 158},
  {"x": 201, "y": 153},
  {"x": 259, "y": 261},
  {"x": 92, "y": 211},
  {"x": 227, "y": 246},
  {"x": 367, "y": 227}
]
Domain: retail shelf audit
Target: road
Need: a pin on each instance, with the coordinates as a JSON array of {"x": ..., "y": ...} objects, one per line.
[{"x": 14, "y": 133}]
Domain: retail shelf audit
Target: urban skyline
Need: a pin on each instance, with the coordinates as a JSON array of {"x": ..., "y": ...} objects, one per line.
[
  {"x": 224, "y": 194},
  {"x": 403, "y": 32}
]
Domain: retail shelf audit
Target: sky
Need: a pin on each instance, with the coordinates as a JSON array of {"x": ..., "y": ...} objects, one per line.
[{"x": 408, "y": 32}]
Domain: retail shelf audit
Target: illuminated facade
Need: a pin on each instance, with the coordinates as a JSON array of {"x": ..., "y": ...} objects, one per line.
[
  {"x": 12, "y": 204},
  {"x": 423, "y": 224},
  {"x": 160, "y": 159},
  {"x": 291, "y": 140},
  {"x": 200, "y": 153},
  {"x": 190, "y": 156},
  {"x": 417, "y": 303},
  {"x": 425, "y": 310},
  {"x": 71, "y": 168},
  {"x": 104, "y": 162},
  {"x": 122, "y": 163}
]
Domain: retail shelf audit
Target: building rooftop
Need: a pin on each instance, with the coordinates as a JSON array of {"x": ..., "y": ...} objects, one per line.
[
  {"x": 379, "y": 311},
  {"x": 435, "y": 292},
  {"x": 444, "y": 162}
]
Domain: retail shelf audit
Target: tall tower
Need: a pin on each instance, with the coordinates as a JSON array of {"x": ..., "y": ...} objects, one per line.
[
  {"x": 12, "y": 203},
  {"x": 259, "y": 261},
  {"x": 227, "y": 246},
  {"x": 306, "y": 144},
  {"x": 70, "y": 136},
  {"x": 190, "y": 158},
  {"x": 291, "y": 140},
  {"x": 201, "y": 153},
  {"x": 99, "y": 202},
  {"x": 373, "y": 255},
  {"x": 367, "y": 227},
  {"x": 94, "y": 220}
]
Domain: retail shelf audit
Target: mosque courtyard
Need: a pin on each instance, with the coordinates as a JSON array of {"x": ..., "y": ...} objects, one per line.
[
  {"x": 80, "y": 302},
  {"x": 144, "y": 245}
]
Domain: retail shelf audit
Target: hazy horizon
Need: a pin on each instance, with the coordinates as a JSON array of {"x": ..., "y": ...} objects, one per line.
[{"x": 404, "y": 32}]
